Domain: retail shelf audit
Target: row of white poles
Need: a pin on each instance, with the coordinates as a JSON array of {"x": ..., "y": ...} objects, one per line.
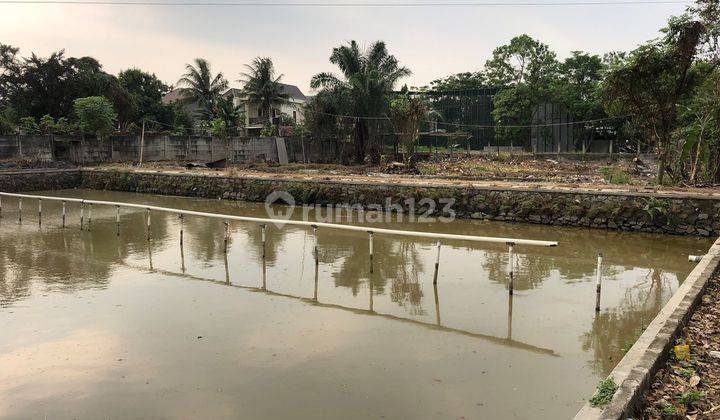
[{"x": 263, "y": 224}]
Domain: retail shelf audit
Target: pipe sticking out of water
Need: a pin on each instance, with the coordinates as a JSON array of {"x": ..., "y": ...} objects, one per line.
[
  {"x": 227, "y": 236},
  {"x": 437, "y": 263},
  {"x": 511, "y": 267},
  {"x": 370, "y": 242},
  {"x": 263, "y": 240},
  {"x": 598, "y": 281},
  {"x": 148, "y": 223},
  {"x": 695, "y": 258},
  {"x": 117, "y": 219},
  {"x": 432, "y": 235}
]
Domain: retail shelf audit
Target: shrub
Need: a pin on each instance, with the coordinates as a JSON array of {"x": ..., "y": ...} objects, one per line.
[
  {"x": 605, "y": 391},
  {"x": 95, "y": 114},
  {"x": 29, "y": 126},
  {"x": 691, "y": 398}
]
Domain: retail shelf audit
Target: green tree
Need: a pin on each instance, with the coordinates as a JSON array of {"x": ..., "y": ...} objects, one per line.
[
  {"x": 182, "y": 123},
  {"x": 8, "y": 120},
  {"x": 28, "y": 126},
  {"x": 145, "y": 91},
  {"x": 47, "y": 124},
  {"x": 262, "y": 87},
  {"x": 578, "y": 89},
  {"x": 407, "y": 113},
  {"x": 460, "y": 81},
  {"x": 523, "y": 60},
  {"x": 699, "y": 132},
  {"x": 653, "y": 81},
  {"x": 226, "y": 110},
  {"x": 579, "y": 79},
  {"x": 202, "y": 88},
  {"x": 322, "y": 121},
  {"x": 368, "y": 80},
  {"x": 95, "y": 115},
  {"x": 37, "y": 86},
  {"x": 525, "y": 69}
]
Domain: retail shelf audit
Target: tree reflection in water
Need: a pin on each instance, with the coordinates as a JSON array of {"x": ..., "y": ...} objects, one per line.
[
  {"x": 615, "y": 330},
  {"x": 69, "y": 260}
]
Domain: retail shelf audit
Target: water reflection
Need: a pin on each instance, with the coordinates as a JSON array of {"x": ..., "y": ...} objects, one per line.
[
  {"x": 552, "y": 312},
  {"x": 615, "y": 330}
]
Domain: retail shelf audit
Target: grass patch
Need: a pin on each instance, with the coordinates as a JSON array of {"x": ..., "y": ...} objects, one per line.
[
  {"x": 615, "y": 175},
  {"x": 668, "y": 410},
  {"x": 605, "y": 391},
  {"x": 691, "y": 398}
]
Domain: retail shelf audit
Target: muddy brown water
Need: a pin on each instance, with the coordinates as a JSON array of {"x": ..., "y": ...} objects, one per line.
[{"x": 100, "y": 326}]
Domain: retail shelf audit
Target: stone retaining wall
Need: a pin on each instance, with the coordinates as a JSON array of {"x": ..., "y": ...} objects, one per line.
[
  {"x": 49, "y": 179},
  {"x": 644, "y": 212}
]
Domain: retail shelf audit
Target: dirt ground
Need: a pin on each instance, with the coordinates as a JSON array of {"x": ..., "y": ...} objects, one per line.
[
  {"x": 623, "y": 175},
  {"x": 690, "y": 388},
  {"x": 518, "y": 171}
]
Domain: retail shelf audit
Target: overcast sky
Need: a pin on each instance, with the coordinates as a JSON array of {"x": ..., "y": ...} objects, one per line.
[{"x": 432, "y": 41}]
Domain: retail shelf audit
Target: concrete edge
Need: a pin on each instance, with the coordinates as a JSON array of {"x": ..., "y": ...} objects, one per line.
[
  {"x": 499, "y": 188},
  {"x": 635, "y": 372}
]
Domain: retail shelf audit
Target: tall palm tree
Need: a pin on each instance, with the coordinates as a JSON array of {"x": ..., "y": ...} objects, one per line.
[
  {"x": 202, "y": 88},
  {"x": 369, "y": 77},
  {"x": 262, "y": 87}
]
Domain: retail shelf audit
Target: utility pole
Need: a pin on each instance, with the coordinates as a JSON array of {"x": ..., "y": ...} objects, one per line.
[{"x": 142, "y": 142}]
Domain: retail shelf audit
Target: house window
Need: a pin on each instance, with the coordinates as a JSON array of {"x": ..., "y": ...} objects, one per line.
[{"x": 295, "y": 116}]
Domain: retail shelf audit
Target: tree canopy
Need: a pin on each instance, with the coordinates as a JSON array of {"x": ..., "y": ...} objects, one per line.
[
  {"x": 262, "y": 86},
  {"x": 368, "y": 80}
]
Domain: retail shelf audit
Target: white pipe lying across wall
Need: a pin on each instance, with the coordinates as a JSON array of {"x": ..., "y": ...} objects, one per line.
[{"x": 489, "y": 239}]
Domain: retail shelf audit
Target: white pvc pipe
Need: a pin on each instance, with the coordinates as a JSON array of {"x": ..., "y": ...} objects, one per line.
[
  {"x": 598, "y": 281},
  {"x": 488, "y": 239},
  {"x": 117, "y": 219},
  {"x": 511, "y": 267},
  {"x": 370, "y": 242},
  {"x": 695, "y": 258},
  {"x": 437, "y": 263},
  {"x": 315, "y": 247}
]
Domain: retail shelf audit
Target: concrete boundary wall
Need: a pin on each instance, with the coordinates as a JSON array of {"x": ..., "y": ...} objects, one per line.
[
  {"x": 635, "y": 372},
  {"x": 127, "y": 148}
]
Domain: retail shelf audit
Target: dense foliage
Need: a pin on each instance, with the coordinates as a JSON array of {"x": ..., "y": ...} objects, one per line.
[
  {"x": 95, "y": 115},
  {"x": 662, "y": 97},
  {"x": 367, "y": 82},
  {"x": 41, "y": 91},
  {"x": 262, "y": 87}
]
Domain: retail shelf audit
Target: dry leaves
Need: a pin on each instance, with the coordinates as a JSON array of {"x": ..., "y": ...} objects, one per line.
[{"x": 690, "y": 388}]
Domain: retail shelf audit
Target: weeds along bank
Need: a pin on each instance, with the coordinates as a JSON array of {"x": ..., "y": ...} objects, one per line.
[{"x": 688, "y": 214}]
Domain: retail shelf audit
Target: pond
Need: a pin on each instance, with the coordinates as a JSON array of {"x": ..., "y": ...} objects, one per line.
[{"x": 98, "y": 325}]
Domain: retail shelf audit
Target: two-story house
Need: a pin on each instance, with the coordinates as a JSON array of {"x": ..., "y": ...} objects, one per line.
[{"x": 255, "y": 116}]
